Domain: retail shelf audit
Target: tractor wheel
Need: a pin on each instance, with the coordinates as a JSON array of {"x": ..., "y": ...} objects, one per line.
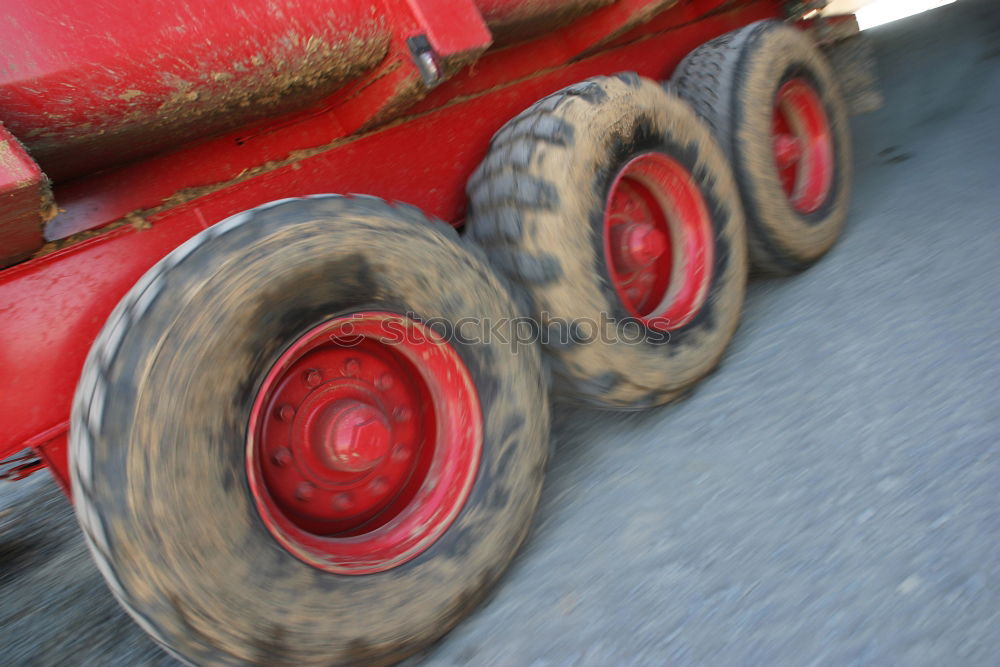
[
  {"x": 612, "y": 209},
  {"x": 271, "y": 412},
  {"x": 771, "y": 99}
]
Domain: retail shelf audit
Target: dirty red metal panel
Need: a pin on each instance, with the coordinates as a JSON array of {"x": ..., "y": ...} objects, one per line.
[
  {"x": 58, "y": 302},
  {"x": 25, "y": 201},
  {"x": 86, "y": 84},
  {"x": 111, "y": 195}
]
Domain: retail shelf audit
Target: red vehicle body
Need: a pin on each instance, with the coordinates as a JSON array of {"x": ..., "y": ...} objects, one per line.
[
  {"x": 87, "y": 88},
  {"x": 129, "y": 129}
]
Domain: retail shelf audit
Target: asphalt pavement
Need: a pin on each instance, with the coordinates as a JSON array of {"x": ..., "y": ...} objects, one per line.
[{"x": 831, "y": 495}]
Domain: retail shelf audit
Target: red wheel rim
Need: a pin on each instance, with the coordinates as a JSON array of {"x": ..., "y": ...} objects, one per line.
[
  {"x": 364, "y": 442},
  {"x": 658, "y": 242},
  {"x": 803, "y": 145}
]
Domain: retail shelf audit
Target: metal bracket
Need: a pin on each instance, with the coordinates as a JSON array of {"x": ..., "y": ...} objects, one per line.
[
  {"x": 425, "y": 59},
  {"x": 20, "y": 466}
]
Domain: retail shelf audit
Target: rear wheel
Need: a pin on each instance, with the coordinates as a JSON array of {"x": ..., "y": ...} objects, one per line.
[
  {"x": 771, "y": 99},
  {"x": 613, "y": 210},
  {"x": 271, "y": 412}
]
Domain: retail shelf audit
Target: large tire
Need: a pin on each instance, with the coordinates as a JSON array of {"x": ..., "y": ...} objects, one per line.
[
  {"x": 159, "y": 437},
  {"x": 734, "y": 82},
  {"x": 538, "y": 204}
]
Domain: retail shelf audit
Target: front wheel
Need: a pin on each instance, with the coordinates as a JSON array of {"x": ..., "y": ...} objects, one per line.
[{"x": 278, "y": 459}]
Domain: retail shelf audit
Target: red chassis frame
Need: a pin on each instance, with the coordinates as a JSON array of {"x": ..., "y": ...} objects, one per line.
[{"x": 54, "y": 305}]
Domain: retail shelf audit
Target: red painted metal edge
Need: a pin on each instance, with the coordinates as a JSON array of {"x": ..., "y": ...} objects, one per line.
[
  {"x": 452, "y": 26},
  {"x": 48, "y": 448},
  {"x": 55, "y": 454}
]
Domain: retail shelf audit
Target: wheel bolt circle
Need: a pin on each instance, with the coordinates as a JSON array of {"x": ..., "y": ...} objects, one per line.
[{"x": 309, "y": 416}]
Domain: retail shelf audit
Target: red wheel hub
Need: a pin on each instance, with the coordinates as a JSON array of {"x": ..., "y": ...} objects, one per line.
[
  {"x": 803, "y": 145},
  {"x": 658, "y": 241},
  {"x": 364, "y": 442}
]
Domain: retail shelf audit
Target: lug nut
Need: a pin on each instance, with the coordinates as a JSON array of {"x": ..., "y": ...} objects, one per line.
[
  {"x": 286, "y": 412},
  {"x": 378, "y": 485},
  {"x": 401, "y": 452},
  {"x": 312, "y": 377},
  {"x": 352, "y": 366},
  {"x": 401, "y": 414},
  {"x": 343, "y": 501},
  {"x": 305, "y": 491},
  {"x": 385, "y": 381},
  {"x": 281, "y": 457}
]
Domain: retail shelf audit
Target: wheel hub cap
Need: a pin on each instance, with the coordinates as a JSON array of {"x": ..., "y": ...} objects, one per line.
[
  {"x": 641, "y": 245},
  {"x": 354, "y": 436}
]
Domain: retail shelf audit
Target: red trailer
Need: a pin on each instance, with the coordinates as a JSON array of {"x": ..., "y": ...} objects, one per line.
[{"x": 311, "y": 428}]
